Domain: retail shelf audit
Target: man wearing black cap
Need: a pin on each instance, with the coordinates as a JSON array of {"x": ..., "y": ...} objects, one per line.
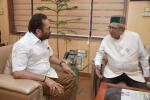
[{"x": 124, "y": 50}]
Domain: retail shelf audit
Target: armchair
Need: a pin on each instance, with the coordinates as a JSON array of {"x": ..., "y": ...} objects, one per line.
[
  {"x": 96, "y": 82},
  {"x": 18, "y": 89}
]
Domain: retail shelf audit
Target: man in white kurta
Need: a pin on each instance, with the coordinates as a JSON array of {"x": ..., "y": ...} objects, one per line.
[
  {"x": 32, "y": 57},
  {"x": 124, "y": 50}
]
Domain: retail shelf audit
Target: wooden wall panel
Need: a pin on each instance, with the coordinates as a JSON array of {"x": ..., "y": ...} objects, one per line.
[
  {"x": 13, "y": 38},
  {"x": 94, "y": 46},
  {"x": 110, "y": 1},
  {"x": 4, "y": 22},
  {"x": 137, "y": 22}
]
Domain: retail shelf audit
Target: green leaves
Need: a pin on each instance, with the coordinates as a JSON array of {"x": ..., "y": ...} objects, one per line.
[
  {"x": 52, "y": 21},
  {"x": 64, "y": 22},
  {"x": 58, "y": 6},
  {"x": 70, "y": 31},
  {"x": 42, "y": 8}
]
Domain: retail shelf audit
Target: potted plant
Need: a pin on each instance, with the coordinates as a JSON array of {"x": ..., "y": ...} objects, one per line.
[{"x": 60, "y": 6}]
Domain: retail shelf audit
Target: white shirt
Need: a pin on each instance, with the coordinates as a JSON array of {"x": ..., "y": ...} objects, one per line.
[
  {"x": 124, "y": 56},
  {"x": 32, "y": 54}
]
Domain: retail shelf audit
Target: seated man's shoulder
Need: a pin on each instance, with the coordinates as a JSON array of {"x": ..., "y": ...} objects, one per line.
[
  {"x": 131, "y": 33},
  {"x": 21, "y": 44},
  {"x": 24, "y": 42},
  {"x": 107, "y": 37}
]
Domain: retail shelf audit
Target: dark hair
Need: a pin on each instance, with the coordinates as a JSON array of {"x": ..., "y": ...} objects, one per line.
[{"x": 36, "y": 22}]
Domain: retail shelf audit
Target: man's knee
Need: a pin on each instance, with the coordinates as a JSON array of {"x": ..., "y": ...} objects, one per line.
[{"x": 73, "y": 80}]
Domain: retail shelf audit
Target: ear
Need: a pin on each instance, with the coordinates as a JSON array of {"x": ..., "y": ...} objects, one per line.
[{"x": 38, "y": 32}]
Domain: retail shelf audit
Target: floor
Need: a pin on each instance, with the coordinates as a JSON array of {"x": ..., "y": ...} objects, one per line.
[{"x": 85, "y": 89}]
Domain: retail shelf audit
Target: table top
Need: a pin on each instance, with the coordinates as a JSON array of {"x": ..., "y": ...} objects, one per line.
[{"x": 104, "y": 87}]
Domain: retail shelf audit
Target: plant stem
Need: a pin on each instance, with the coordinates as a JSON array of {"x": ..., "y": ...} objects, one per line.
[{"x": 57, "y": 27}]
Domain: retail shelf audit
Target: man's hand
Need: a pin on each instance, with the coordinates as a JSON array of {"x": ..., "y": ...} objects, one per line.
[
  {"x": 147, "y": 79},
  {"x": 55, "y": 88},
  {"x": 67, "y": 69},
  {"x": 98, "y": 72}
]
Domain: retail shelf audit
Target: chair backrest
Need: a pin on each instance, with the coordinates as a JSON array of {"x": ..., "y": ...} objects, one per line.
[
  {"x": 147, "y": 47},
  {"x": 5, "y": 52}
]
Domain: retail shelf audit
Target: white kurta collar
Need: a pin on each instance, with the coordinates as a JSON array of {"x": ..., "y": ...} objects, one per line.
[{"x": 34, "y": 39}]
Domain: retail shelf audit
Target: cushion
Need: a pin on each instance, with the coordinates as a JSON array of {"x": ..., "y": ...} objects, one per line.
[
  {"x": 147, "y": 47},
  {"x": 4, "y": 55},
  {"x": 8, "y": 66},
  {"x": 23, "y": 86}
]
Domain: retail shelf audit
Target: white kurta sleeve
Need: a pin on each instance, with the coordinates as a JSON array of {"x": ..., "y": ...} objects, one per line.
[
  {"x": 19, "y": 57},
  {"x": 143, "y": 58},
  {"x": 100, "y": 54}
]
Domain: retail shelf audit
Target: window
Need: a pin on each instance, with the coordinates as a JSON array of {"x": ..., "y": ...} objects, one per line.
[{"x": 102, "y": 10}]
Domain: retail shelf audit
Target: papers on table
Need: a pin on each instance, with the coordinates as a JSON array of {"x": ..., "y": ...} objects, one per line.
[{"x": 134, "y": 95}]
